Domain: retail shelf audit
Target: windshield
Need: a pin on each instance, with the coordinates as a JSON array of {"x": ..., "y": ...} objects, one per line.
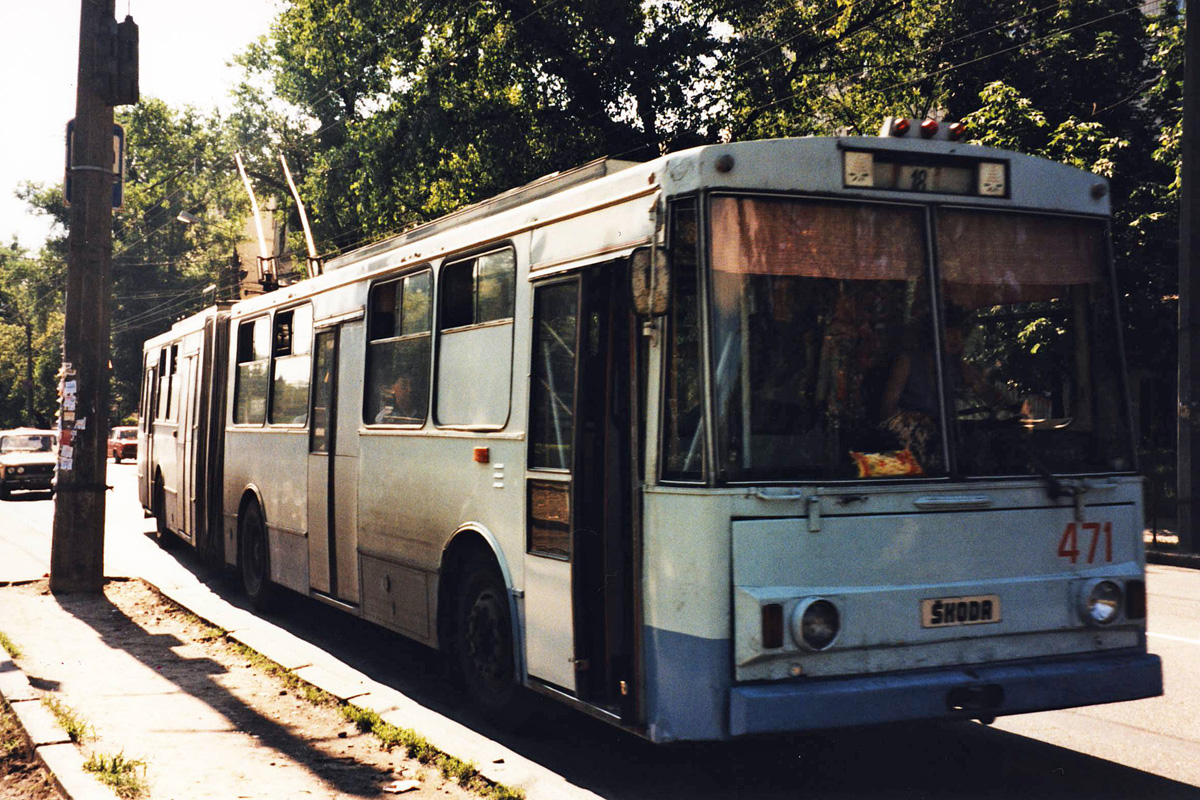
[
  {"x": 127, "y": 433},
  {"x": 31, "y": 443},
  {"x": 1036, "y": 334},
  {"x": 826, "y": 365}
]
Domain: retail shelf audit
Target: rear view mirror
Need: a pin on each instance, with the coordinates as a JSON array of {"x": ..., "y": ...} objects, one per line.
[{"x": 650, "y": 282}]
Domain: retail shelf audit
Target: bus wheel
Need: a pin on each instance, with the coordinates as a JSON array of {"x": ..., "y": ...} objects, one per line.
[
  {"x": 159, "y": 504},
  {"x": 484, "y": 639},
  {"x": 255, "y": 558}
]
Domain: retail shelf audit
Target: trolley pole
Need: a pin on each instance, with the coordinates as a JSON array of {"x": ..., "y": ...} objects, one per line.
[
  {"x": 1188, "y": 441},
  {"x": 77, "y": 549}
]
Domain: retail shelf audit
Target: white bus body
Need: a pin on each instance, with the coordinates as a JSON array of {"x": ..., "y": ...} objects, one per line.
[{"x": 466, "y": 434}]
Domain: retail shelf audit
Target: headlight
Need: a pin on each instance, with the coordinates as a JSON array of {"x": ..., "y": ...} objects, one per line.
[
  {"x": 815, "y": 623},
  {"x": 1101, "y": 602},
  {"x": 20, "y": 470}
]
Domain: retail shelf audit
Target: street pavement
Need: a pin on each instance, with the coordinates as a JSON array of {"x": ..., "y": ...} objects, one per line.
[{"x": 1144, "y": 749}]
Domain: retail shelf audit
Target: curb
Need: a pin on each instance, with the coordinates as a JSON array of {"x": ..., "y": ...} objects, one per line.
[
  {"x": 46, "y": 738},
  {"x": 1188, "y": 560},
  {"x": 314, "y": 666}
]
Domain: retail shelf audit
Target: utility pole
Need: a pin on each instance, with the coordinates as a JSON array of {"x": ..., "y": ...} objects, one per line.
[
  {"x": 77, "y": 549},
  {"x": 1188, "y": 439}
]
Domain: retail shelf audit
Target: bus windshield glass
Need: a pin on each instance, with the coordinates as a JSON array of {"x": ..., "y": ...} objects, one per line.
[
  {"x": 826, "y": 364},
  {"x": 1032, "y": 354}
]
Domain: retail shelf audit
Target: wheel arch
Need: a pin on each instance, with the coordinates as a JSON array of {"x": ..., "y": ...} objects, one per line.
[
  {"x": 250, "y": 494},
  {"x": 474, "y": 539}
]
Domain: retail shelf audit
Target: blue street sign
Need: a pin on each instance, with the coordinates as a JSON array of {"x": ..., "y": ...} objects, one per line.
[{"x": 118, "y": 167}]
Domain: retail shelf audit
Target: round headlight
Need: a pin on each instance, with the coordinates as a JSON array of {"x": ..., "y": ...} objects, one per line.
[
  {"x": 21, "y": 470},
  {"x": 815, "y": 623},
  {"x": 1101, "y": 602}
]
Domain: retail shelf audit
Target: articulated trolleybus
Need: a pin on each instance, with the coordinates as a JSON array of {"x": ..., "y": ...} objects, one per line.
[{"x": 753, "y": 438}]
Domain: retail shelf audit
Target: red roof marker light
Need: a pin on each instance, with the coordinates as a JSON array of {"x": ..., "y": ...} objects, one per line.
[{"x": 929, "y": 128}]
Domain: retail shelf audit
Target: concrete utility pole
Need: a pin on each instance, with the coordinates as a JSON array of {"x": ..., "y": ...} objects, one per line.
[
  {"x": 1188, "y": 440},
  {"x": 77, "y": 550}
]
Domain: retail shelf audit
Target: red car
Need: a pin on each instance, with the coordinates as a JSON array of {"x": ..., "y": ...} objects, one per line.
[{"x": 122, "y": 443}]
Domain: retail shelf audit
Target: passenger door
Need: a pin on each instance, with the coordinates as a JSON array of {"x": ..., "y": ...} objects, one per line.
[
  {"x": 580, "y": 542},
  {"x": 332, "y": 471}
]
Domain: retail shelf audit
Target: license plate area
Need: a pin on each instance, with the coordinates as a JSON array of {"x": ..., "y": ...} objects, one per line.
[{"x": 949, "y": 612}]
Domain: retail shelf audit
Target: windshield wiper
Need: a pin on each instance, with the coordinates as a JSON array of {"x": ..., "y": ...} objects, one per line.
[{"x": 1057, "y": 487}]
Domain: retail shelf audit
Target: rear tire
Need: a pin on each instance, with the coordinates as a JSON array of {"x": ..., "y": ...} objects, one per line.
[
  {"x": 254, "y": 558},
  {"x": 163, "y": 534},
  {"x": 483, "y": 639}
]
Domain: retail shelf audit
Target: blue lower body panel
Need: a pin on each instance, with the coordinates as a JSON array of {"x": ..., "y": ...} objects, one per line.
[{"x": 946, "y": 693}]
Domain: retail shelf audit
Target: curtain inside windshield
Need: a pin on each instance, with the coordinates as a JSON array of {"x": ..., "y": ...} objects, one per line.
[
  {"x": 1031, "y": 336},
  {"x": 815, "y": 304}
]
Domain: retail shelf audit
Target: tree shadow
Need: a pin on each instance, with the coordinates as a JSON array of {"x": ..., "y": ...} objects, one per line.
[{"x": 197, "y": 677}]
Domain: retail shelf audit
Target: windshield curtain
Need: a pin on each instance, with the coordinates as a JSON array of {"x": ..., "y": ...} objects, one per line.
[
  {"x": 825, "y": 365},
  {"x": 813, "y": 303},
  {"x": 1033, "y": 296}
]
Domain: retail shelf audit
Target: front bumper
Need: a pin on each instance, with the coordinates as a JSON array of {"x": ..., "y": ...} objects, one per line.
[
  {"x": 947, "y": 693},
  {"x": 28, "y": 481}
]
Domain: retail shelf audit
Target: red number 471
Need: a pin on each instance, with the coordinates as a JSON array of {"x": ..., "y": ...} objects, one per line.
[{"x": 1068, "y": 545}]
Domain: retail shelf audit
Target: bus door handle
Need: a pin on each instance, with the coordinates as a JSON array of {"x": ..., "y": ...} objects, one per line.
[{"x": 953, "y": 502}]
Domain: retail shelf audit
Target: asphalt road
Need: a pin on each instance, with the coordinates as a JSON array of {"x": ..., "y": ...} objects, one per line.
[{"x": 1144, "y": 749}]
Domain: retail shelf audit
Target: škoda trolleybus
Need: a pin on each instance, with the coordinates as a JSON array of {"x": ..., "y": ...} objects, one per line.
[{"x": 752, "y": 438}]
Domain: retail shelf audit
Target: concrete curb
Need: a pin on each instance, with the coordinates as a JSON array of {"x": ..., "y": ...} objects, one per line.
[
  {"x": 1188, "y": 560},
  {"x": 318, "y": 668},
  {"x": 46, "y": 738}
]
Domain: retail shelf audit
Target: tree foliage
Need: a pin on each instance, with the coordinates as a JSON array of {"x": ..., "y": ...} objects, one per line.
[{"x": 392, "y": 112}]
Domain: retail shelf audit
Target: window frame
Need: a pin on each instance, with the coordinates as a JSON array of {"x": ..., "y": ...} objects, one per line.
[
  {"x": 398, "y": 279},
  {"x": 473, "y": 258},
  {"x": 275, "y": 358},
  {"x": 438, "y": 330},
  {"x": 268, "y": 316}
]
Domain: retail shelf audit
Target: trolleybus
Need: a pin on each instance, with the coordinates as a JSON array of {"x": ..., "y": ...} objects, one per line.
[{"x": 752, "y": 438}]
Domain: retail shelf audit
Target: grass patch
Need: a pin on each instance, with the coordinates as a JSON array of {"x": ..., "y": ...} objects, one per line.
[
  {"x": 211, "y": 632},
  {"x": 9, "y": 646},
  {"x": 77, "y": 730},
  {"x": 418, "y": 747},
  {"x": 126, "y": 776},
  {"x": 11, "y": 739},
  {"x": 390, "y": 736},
  {"x": 318, "y": 697}
]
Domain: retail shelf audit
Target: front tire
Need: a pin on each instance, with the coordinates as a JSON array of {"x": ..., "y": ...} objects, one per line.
[
  {"x": 484, "y": 642},
  {"x": 254, "y": 561}
]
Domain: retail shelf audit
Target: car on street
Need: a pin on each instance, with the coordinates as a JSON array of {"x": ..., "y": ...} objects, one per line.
[
  {"x": 27, "y": 460},
  {"x": 122, "y": 443}
]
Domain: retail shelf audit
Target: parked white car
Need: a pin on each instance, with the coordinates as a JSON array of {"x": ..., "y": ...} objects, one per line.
[{"x": 27, "y": 459}]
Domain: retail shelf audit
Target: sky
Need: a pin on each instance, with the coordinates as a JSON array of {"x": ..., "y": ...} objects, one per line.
[{"x": 185, "y": 50}]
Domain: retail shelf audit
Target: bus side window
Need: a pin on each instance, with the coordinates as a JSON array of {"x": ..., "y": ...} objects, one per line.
[
  {"x": 476, "y": 298},
  {"x": 253, "y": 357},
  {"x": 290, "y": 366},
  {"x": 398, "y": 354},
  {"x": 160, "y": 411}
]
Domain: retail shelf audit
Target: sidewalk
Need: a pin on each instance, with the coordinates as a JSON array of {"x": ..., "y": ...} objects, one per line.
[{"x": 193, "y": 716}]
